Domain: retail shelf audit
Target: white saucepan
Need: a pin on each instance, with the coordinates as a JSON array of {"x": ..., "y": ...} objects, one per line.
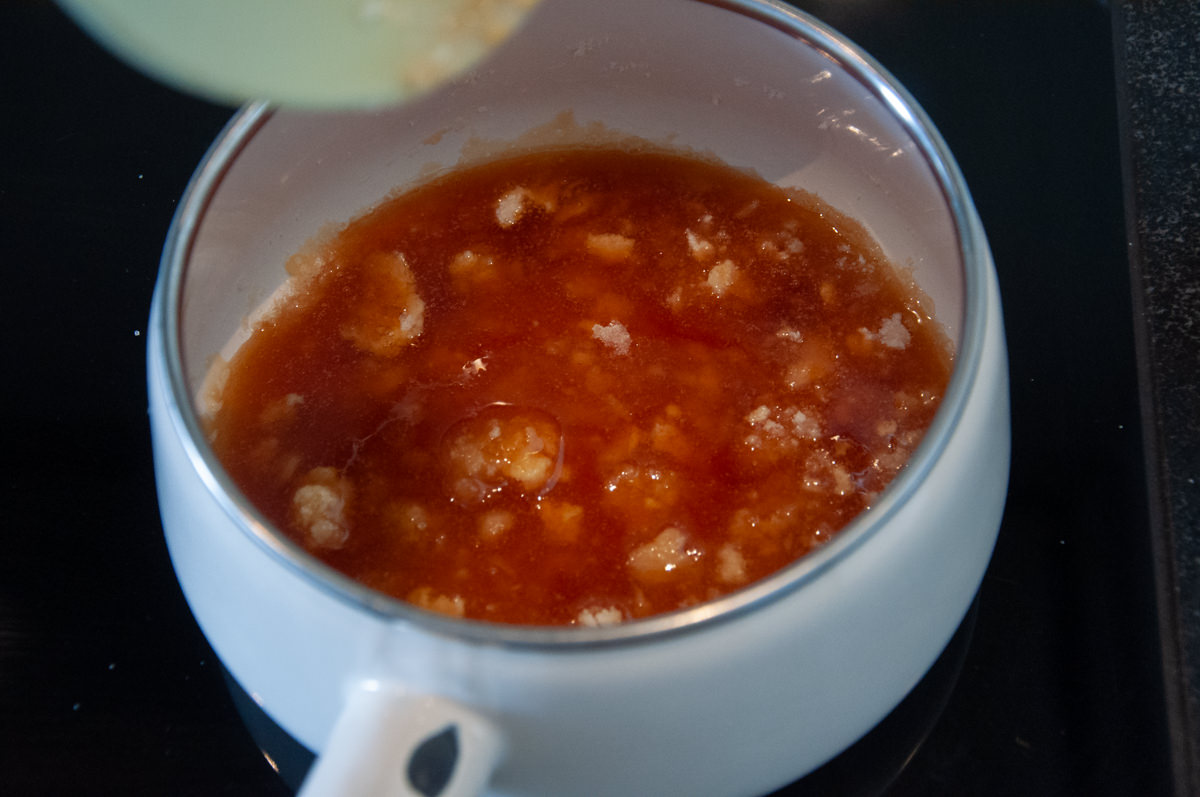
[{"x": 738, "y": 696}]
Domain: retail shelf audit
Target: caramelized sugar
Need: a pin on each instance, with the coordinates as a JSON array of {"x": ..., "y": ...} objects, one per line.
[{"x": 581, "y": 387}]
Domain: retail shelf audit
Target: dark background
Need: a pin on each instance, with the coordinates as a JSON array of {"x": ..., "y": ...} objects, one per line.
[{"x": 1067, "y": 678}]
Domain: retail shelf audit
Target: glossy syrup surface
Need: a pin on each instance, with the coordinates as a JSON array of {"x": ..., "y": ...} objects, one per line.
[{"x": 580, "y": 387}]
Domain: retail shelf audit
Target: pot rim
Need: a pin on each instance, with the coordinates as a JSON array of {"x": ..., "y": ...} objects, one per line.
[{"x": 164, "y": 332}]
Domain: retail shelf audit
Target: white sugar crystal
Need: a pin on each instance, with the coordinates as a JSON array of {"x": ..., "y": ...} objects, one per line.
[
  {"x": 510, "y": 207},
  {"x": 893, "y": 333},
  {"x": 614, "y": 335}
]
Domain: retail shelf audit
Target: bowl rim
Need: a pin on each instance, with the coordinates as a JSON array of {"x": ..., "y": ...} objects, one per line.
[{"x": 165, "y": 334}]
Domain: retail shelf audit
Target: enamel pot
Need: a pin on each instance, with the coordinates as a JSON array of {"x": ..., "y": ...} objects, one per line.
[{"x": 737, "y": 696}]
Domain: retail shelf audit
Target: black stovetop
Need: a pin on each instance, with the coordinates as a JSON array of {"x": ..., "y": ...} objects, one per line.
[{"x": 1071, "y": 674}]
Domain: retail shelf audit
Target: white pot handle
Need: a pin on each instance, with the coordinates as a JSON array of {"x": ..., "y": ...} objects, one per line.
[{"x": 390, "y": 743}]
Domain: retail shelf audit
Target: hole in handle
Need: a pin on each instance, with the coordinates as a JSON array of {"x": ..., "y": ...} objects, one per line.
[{"x": 432, "y": 764}]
